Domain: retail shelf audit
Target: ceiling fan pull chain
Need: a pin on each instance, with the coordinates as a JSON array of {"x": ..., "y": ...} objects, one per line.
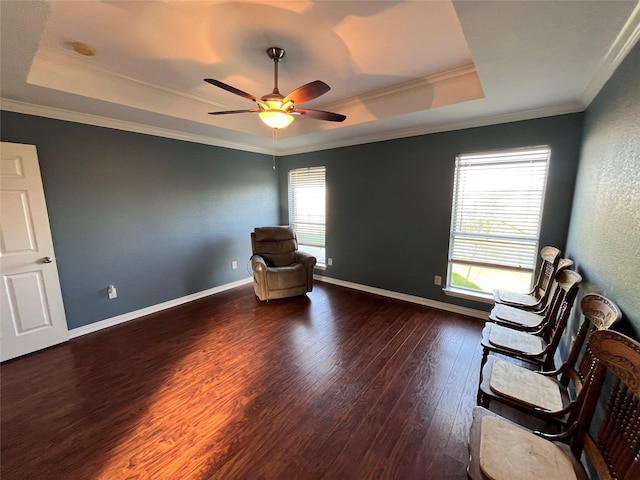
[{"x": 275, "y": 142}]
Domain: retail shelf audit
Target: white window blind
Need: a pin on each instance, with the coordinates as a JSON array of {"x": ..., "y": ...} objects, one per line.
[
  {"x": 497, "y": 208},
  {"x": 307, "y": 205}
]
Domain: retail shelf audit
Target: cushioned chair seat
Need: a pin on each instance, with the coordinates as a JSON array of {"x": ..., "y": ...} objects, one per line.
[
  {"x": 286, "y": 277},
  {"x": 509, "y": 452}
]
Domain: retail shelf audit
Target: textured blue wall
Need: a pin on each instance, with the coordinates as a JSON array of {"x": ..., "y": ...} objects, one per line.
[
  {"x": 162, "y": 219},
  {"x": 158, "y": 218},
  {"x": 604, "y": 236},
  {"x": 389, "y": 203}
]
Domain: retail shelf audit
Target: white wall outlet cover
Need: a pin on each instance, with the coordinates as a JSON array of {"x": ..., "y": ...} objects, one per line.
[{"x": 113, "y": 293}]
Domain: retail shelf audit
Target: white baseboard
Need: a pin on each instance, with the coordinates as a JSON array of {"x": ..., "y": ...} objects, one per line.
[
  {"x": 470, "y": 312},
  {"x": 125, "y": 317}
]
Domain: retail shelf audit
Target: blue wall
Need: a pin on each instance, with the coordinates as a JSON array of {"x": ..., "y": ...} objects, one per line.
[
  {"x": 389, "y": 203},
  {"x": 162, "y": 219},
  {"x": 604, "y": 236},
  {"x": 158, "y": 218}
]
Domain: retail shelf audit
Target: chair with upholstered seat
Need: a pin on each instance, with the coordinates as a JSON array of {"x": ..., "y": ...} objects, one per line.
[
  {"x": 536, "y": 298},
  {"x": 279, "y": 269},
  {"x": 529, "y": 320},
  {"x": 502, "y": 450},
  {"x": 537, "y": 348},
  {"x": 551, "y": 396}
]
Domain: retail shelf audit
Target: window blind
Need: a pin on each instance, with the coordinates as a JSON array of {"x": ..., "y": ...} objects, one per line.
[
  {"x": 307, "y": 205},
  {"x": 497, "y": 208}
]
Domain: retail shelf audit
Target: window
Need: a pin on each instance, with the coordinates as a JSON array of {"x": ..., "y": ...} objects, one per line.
[
  {"x": 307, "y": 207},
  {"x": 495, "y": 220}
]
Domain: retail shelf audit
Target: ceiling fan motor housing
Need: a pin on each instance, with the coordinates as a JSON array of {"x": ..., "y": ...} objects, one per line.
[{"x": 275, "y": 53}]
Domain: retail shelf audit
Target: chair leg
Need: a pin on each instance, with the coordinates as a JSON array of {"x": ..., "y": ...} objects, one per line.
[
  {"x": 485, "y": 356},
  {"x": 482, "y": 399}
]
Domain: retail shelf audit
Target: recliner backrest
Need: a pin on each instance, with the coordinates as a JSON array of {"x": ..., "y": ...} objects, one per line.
[{"x": 277, "y": 245}]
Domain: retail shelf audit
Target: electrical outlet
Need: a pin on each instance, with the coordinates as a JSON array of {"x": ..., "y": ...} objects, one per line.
[
  {"x": 437, "y": 280},
  {"x": 112, "y": 292},
  {"x": 329, "y": 261},
  {"x": 234, "y": 265}
]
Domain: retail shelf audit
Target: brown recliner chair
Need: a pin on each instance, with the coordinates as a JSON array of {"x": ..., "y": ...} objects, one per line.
[{"x": 279, "y": 269}]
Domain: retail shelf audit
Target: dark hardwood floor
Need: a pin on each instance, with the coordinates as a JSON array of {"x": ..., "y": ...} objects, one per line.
[{"x": 337, "y": 385}]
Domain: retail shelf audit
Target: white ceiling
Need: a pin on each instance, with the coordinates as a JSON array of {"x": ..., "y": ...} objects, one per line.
[{"x": 396, "y": 69}]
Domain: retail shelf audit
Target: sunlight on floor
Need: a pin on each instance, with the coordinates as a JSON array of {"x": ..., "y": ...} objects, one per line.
[{"x": 214, "y": 408}]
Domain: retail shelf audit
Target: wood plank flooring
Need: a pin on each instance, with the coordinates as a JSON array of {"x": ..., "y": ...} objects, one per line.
[{"x": 336, "y": 385}]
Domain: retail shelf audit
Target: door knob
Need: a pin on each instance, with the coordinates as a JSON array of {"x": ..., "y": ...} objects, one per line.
[{"x": 47, "y": 260}]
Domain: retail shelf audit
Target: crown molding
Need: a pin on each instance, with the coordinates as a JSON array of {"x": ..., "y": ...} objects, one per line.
[
  {"x": 445, "y": 127},
  {"x": 51, "y": 62},
  {"x": 455, "y": 75},
  {"x": 98, "y": 121},
  {"x": 622, "y": 45},
  {"x": 58, "y": 68},
  {"x": 60, "y": 114}
]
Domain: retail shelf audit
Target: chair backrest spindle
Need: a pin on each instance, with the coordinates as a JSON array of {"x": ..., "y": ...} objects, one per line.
[
  {"x": 568, "y": 285},
  {"x": 550, "y": 259},
  {"x": 599, "y": 314}
]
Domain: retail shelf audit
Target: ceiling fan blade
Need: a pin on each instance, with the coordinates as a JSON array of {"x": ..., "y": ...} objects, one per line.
[
  {"x": 234, "y": 111},
  {"x": 231, "y": 89},
  {"x": 307, "y": 92},
  {"x": 321, "y": 115}
]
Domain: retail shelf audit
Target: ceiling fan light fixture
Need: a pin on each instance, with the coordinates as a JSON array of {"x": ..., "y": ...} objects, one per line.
[{"x": 276, "y": 119}]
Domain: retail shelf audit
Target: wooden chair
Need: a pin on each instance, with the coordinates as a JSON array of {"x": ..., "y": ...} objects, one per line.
[
  {"x": 537, "y": 297},
  {"x": 529, "y": 320},
  {"x": 502, "y": 450},
  {"x": 536, "y": 348},
  {"x": 547, "y": 395}
]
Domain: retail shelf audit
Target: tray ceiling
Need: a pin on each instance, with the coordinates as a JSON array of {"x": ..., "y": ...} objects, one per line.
[{"x": 395, "y": 68}]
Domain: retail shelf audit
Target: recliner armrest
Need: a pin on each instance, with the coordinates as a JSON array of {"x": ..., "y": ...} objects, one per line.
[
  {"x": 305, "y": 258},
  {"x": 259, "y": 268},
  {"x": 309, "y": 261},
  {"x": 258, "y": 264}
]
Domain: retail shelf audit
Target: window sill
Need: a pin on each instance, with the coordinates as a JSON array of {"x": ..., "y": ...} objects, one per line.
[
  {"x": 469, "y": 295},
  {"x": 320, "y": 266}
]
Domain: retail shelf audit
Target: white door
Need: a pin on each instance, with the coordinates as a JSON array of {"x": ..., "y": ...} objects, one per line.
[{"x": 32, "y": 311}]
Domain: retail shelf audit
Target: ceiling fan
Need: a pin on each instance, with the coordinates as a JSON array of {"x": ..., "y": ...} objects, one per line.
[{"x": 276, "y": 110}]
